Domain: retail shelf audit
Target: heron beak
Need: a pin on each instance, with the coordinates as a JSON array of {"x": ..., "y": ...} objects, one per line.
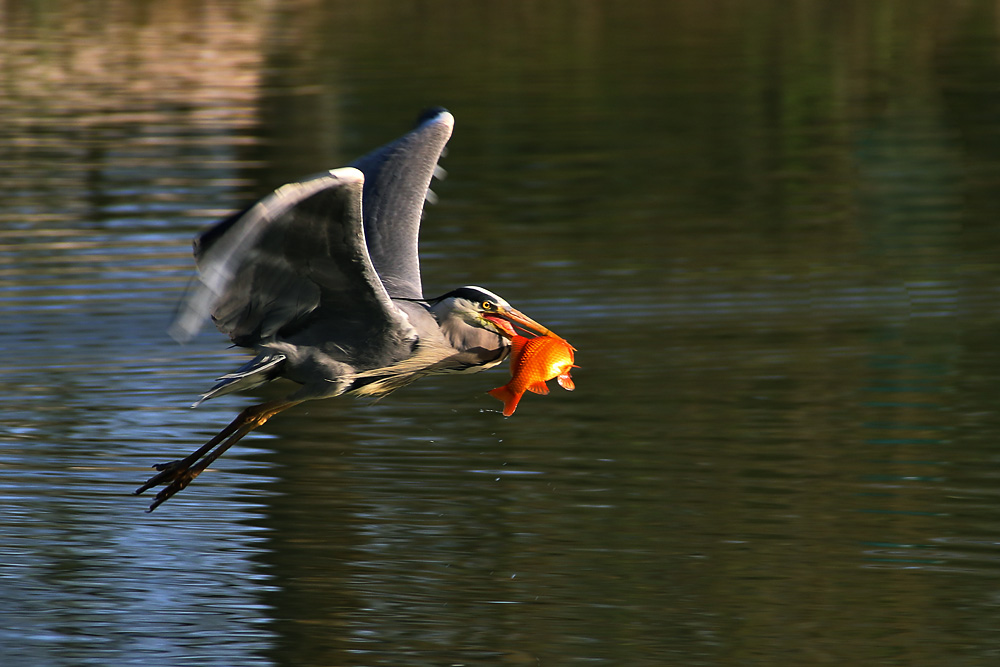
[
  {"x": 502, "y": 326},
  {"x": 520, "y": 319}
]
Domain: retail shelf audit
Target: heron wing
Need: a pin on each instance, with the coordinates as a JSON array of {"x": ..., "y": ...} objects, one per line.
[
  {"x": 397, "y": 177},
  {"x": 296, "y": 256}
]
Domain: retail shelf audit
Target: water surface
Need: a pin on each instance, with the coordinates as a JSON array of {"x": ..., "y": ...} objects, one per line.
[{"x": 768, "y": 229}]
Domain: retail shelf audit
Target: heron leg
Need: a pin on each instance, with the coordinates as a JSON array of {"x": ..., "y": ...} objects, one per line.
[{"x": 176, "y": 475}]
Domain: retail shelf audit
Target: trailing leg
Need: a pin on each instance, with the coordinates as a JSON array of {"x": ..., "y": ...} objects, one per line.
[{"x": 176, "y": 475}]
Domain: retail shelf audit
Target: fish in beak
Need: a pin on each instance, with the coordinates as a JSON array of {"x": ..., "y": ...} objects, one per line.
[
  {"x": 505, "y": 318},
  {"x": 533, "y": 362}
]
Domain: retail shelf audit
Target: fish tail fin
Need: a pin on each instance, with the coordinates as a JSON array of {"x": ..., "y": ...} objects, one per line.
[{"x": 509, "y": 397}]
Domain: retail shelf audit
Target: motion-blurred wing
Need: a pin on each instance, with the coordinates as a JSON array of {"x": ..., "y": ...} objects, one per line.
[
  {"x": 297, "y": 255},
  {"x": 397, "y": 177}
]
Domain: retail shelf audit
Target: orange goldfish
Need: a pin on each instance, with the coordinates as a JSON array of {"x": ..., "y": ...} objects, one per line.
[{"x": 534, "y": 361}]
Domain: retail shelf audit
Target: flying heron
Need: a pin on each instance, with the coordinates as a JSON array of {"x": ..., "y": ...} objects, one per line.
[{"x": 321, "y": 280}]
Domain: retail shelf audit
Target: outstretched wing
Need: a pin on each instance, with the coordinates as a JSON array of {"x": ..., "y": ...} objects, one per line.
[
  {"x": 397, "y": 177},
  {"x": 297, "y": 255}
]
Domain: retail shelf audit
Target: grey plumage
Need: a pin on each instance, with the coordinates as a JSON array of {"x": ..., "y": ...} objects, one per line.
[{"x": 321, "y": 279}]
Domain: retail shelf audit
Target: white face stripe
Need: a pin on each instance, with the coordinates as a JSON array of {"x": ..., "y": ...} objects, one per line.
[{"x": 496, "y": 298}]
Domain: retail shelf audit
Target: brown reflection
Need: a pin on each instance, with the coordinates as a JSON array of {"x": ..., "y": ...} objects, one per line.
[
  {"x": 133, "y": 62},
  {"x": 93, "y": 101},
  {"x": 141, "y": 110}
]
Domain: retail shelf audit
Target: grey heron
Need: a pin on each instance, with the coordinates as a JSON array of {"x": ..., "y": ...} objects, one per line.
[{"x": 321, "y": 281}]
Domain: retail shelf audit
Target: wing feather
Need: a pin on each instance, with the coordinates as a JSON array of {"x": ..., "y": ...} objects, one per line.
[
  {"x": 397, "y": 178},
  {"x": 296, "y": 257}
]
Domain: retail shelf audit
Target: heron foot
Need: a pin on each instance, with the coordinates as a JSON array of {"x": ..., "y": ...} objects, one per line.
[{"x": 176, "y": 475}]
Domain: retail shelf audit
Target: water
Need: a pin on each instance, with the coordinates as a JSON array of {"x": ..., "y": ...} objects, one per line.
[{"x": 769, "y": 229}]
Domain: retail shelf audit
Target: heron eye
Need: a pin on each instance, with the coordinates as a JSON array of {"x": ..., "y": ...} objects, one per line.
[{"x": 486, "y": 305}]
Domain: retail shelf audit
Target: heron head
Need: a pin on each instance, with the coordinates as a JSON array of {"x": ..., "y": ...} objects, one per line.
[{"x": 482, "y": 308}]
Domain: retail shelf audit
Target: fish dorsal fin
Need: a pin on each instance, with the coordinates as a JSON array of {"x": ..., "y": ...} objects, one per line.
[{"x": 517, "y": 344}]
